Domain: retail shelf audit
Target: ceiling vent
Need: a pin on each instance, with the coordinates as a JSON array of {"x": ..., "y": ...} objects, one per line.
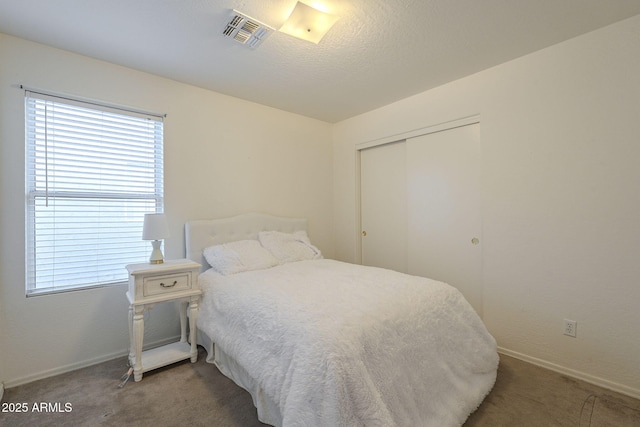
[{"x": 246, "y": 30}]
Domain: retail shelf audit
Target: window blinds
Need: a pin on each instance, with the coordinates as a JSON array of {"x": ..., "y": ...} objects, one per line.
[{"x": 92, "y": 174}]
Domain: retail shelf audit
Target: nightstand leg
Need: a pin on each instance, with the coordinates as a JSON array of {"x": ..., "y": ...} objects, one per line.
[
  {"x": 138, "y": 336},
  {"x": 132, "y": 346},
  {"x": 193, "y": 317},
  {"x": 183, "y": 321}
]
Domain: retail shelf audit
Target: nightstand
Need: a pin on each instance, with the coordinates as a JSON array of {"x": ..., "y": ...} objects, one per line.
[{"x": 150, "y": 284}]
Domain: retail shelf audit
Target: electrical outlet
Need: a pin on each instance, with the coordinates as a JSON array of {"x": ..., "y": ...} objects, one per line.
[{"x": 570, "y": 327}]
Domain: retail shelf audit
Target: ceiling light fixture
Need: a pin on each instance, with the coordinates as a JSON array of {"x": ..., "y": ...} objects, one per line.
[{"x": 308, "y": 23}]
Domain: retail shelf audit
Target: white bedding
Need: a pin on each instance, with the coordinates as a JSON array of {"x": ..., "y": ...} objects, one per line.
[{"x": 335, "y": 344}]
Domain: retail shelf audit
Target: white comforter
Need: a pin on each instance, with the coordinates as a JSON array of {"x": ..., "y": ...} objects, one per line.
[{"x": 337, "y": 344}]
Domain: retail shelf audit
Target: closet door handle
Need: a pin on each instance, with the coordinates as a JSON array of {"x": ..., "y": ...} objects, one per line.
[
  {"x": 475, "y": 241},
  {"x": 364, "y": 233}
]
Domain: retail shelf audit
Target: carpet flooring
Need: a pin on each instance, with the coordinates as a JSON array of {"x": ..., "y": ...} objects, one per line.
[{"x": 186, "y": 394}]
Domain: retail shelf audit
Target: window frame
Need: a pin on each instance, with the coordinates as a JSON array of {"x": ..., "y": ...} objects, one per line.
[{"x": 142, "y": 199}]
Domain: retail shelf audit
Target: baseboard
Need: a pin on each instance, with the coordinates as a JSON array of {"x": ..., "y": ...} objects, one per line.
[
  {"x": 601, "y": 382},
  {"x": 79, "y": 365}
]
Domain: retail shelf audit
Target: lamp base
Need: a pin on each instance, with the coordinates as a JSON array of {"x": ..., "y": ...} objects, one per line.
[{"x": 156, "y": 255}]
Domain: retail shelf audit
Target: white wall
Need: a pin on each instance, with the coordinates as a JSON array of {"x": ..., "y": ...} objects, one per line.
[
  {"x": 223, "y": 156},
  {"x": 561, "y": 197},
  {"x": 561, "y": 201}
]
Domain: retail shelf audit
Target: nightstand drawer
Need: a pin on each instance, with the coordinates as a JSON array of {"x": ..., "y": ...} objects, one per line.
[{"x": 165, "y": 284}]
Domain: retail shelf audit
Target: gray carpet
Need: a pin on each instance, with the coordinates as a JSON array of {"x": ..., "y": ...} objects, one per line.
[{"x": 197, "y": 394}]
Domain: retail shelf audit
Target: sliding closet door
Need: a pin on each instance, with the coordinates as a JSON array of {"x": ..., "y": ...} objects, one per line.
[
  {"x": 383, "y": 205},
  {"x": 444, "y": 209}
]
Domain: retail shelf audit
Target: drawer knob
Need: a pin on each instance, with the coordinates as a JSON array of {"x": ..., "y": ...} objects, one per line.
[{"x": 175, "y": 282}]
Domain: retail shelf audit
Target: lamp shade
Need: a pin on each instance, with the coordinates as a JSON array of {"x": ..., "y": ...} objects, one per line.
[{"x": 155, "y": 227}]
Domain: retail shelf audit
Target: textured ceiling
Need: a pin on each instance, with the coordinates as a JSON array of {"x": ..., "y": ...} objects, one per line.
[{"x": 380, "y": 51}]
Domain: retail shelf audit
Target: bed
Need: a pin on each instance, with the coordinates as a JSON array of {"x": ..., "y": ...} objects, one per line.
[{"x": 318, "y": 342}]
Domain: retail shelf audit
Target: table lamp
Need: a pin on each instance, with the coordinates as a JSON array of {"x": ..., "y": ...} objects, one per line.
[{"x": 155, "y": 228}]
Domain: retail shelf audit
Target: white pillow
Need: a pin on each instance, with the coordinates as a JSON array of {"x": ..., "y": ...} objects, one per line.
[
  {"x": 239, "y": 256},
  {"x": 289, "y": 247}
]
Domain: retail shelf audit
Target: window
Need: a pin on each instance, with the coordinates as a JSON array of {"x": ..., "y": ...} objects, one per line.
[{"x": 92, "y": 173}]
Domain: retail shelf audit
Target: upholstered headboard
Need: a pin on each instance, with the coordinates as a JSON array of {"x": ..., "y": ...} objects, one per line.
[{"x": 201, "y": 234}]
